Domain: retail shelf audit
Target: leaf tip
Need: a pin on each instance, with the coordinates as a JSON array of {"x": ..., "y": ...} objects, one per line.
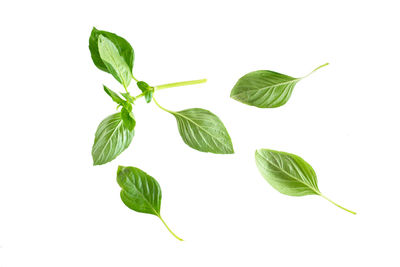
[
  {"x": 231, "y": 149},
  {"x": 120, "y": 168},
  {"x": 232, "y": 95}
]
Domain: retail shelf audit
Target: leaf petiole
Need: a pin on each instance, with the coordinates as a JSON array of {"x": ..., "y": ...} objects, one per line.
[
  {"x": 338, "y": 205},
  {"x": 133, "y": 77},
  {"x": 159, "y": 216},
  {"x": 326, "y": 64},
  {"x": 158, "y": 105}
]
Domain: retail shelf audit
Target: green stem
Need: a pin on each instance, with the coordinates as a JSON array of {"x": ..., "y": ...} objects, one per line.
[
  {"x": 139, "y": 96},
  {"x": 134, "y": 78},
  {"x": 338, "y": 205},
  {"x": 326, "y": 64},
  {"x": 169, "y": 111},
  {"x": 180, "y": 239},
  {"x": 169, "y": 85}
]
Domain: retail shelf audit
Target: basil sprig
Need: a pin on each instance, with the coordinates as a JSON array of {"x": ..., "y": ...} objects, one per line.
[{"x": 200, "y": 129}]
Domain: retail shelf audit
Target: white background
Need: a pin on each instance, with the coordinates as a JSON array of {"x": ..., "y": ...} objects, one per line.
[{"x": 56, "y": 209}]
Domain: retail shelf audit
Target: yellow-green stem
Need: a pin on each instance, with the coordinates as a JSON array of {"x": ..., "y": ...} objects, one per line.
[
  {"x": 326, "y": 64},
  {"x": 169, "y": 85},
  {"x": 161, "y": 107},
  {"x": 338, "y": 205},
  {"x": 180, "y": 239}
]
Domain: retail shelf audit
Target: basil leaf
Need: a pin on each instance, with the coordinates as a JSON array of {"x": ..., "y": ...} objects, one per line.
[
  {"x": 143, "y": 86},
  {"x": 265, "y": 89},
  {"x": 128, "y": 119},
  {"x": 146, "y": 89},
  {"x": 114, "y": 96},
  {"x": 124, "y": 48},
  {"x": 128, "y": 97},
  {"x": 204, "y": 131},
  {"x": 148, "y": 96},
  {"x": 111, "y": 139},
  {"x": 289, "y": 174},
  {"x": 140, "y": 192},
  {"x": 114, "y": 62}
]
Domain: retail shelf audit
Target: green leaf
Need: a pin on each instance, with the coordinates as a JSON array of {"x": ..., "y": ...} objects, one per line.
[
  {"x": 204, "y": 131},
  {"x": 128, "y": 119},
  {"x": 128, "y": 97},
  {"x": 146, "y": 89},
  {"x": 124, "y": 48},
  {"x": 114, "y": 62},
  {"x": 265, "y": 88},
  {"x": 148, "y": 96},
  {"x": 140, "y": 192},
  {"x": 143, "y": 86},
  {"x": 111, "y": 139},
  {"x": 114, "y": 96},
  {"x": 289, "y": 174}
]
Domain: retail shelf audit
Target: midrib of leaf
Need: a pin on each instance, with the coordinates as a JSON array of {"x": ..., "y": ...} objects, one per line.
[
  {"x": 114, "y": 60},
  {"x": 118, "y": 125},
  {"x": 148, "y": 203},
  {"x": 201, "y": 128},
  {"x": 270, "y": 86},
  {"x": 300, "y": 181}
]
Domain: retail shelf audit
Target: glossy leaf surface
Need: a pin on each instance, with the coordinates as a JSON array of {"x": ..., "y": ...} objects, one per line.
[
  {"x": 124, "y": 48},
  {"x": 111, "y": 139},
  {"x": 139, "y": 191},
  {"x": 287, "y": 173},
  {"x": 114, "y": 96},
  {"x": 204, "y": 131},
  {"x": 265, "y": 88},
  {"x": 114, "y": 62}
]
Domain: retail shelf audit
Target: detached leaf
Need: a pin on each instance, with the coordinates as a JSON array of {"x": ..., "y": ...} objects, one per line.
[
  {"x": 140, "y": 192},
  {"x": 265, "y": 88},
  {"x": 114, "y": 62},
  {"x": 111, "y": 139},
  {"x": 289, "y": 174},
  {"x": 124, "y": 48},
  {"x": 114, "y": 96},
  {"x": 204, "y": 131}
]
